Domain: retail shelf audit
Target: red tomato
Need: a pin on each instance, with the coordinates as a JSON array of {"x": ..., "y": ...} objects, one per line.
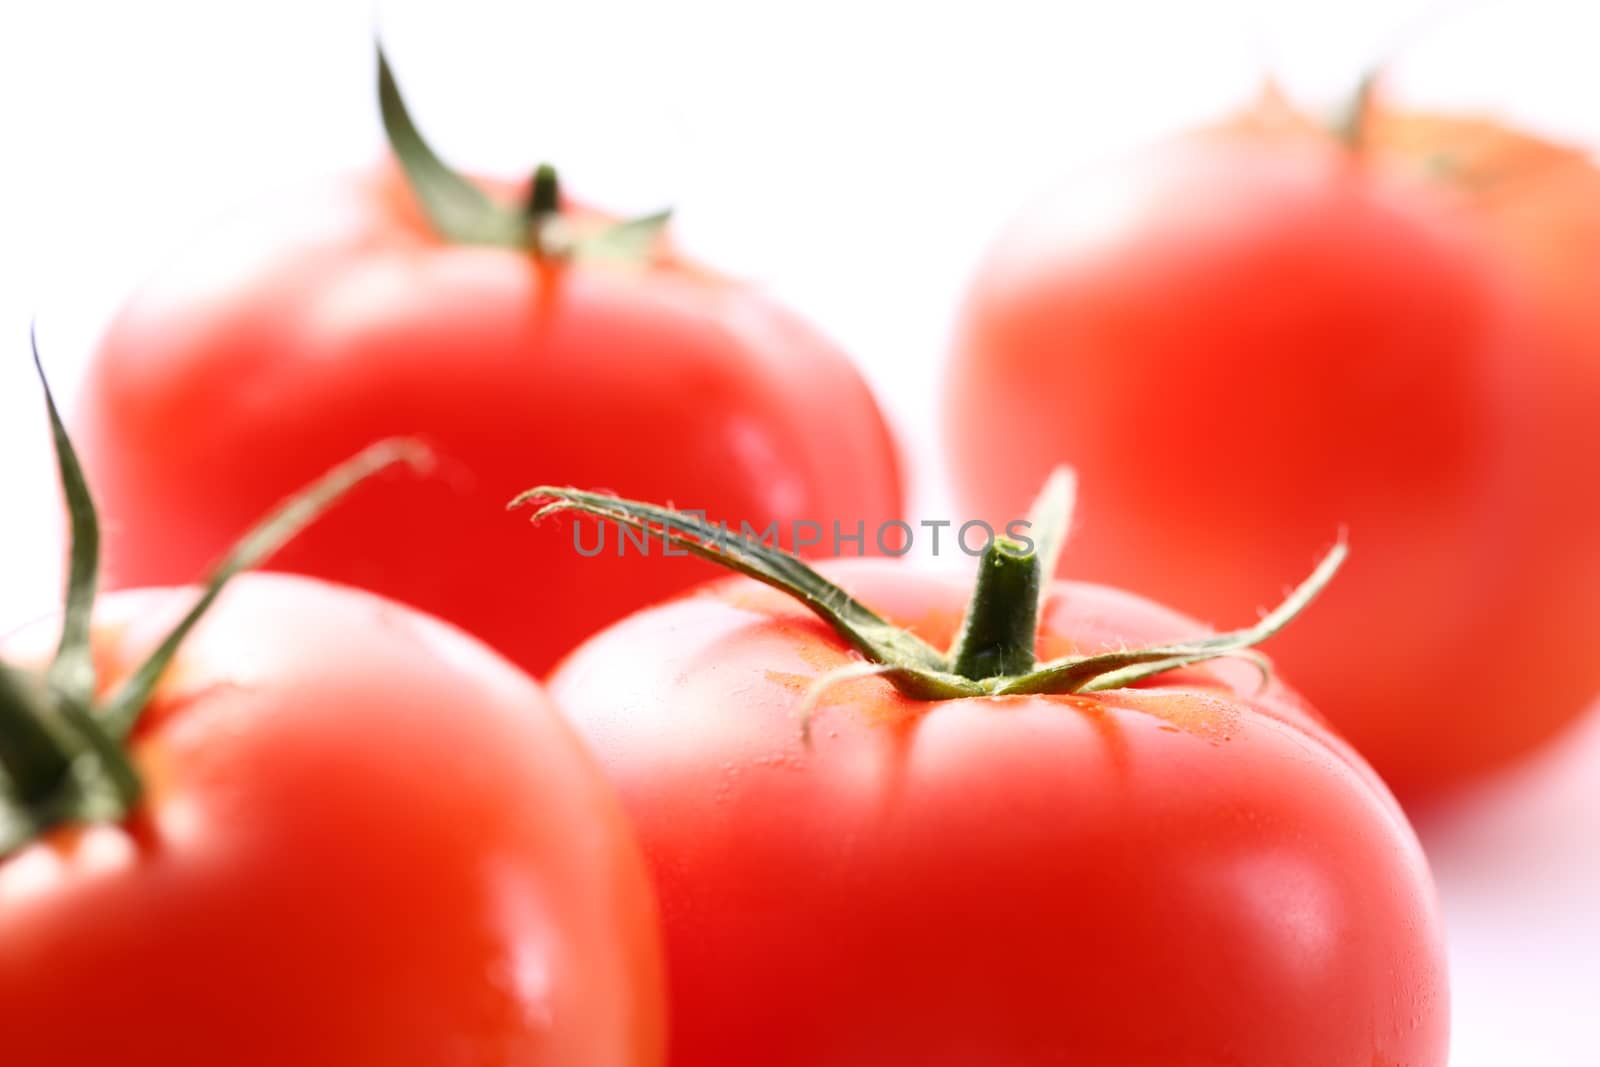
[
  {"x": 275, "y": 348},
  {"x": 1246, "y": 340},
  {"x": 364, "y": 839},
  {"x": 1183, "y": 872},
  {"x": 1538, "y": 204}
]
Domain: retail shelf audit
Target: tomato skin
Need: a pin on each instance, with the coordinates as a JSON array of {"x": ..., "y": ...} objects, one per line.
[
  {"x": 1175, "y": 874},
  {"x": 365, "y": 839},
  {"x": 1245, "y": 344},
  {"x": 265, "y": 355},
  {"x": 1537, "y": 204}
]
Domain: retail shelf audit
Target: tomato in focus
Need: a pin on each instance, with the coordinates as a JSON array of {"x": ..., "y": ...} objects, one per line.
[
  {"x": 1190, "y": 870},
  {"x": 364, "y": 839}
]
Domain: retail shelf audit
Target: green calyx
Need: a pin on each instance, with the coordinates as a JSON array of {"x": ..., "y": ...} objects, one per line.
[
  {"x": 463, "y": 213},
  {"x": 997, "y": 635},
  {"x": 1351, "y": 121},
  {"x": 63, "y": 746},
  {"x": 993, "y": 655}
]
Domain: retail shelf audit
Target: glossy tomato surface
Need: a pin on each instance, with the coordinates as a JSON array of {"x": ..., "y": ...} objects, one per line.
[
  {"x": 274, "y": 348},
  {"x": 1245, "y": 343},
  {"x": 365, "y": 839},
  {"x": 1188, "y": 872}
]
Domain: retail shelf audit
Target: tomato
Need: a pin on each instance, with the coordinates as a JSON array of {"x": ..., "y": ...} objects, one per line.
[
  {"x": 271, "y": 348},
  {"x": 1537, "y": 203},
  {"x": 364, "y": 839},
  {"x": 302, "y": 824},
  {"x": 1248, "y": 338},
  {"x": 1188, "y": 869}
]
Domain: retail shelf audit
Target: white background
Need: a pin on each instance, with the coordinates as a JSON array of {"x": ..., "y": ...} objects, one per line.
[{"x": 852, "y": 157}]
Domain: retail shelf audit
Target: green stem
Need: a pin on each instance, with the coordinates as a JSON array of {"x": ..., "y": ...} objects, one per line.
[
  {"x": 34, "y": 757},
  {"x": 544, "y": 195},
  {"x": 543, "y": 211},
  {"x": 997, "y": 637},
  {"x": 122, "y": 710},
  {"x": 460, "y": 212},
  {"x": 1350, "y": 126},
  {"x": 62, "y": 754},
  {"x": 994, "y": 654}
]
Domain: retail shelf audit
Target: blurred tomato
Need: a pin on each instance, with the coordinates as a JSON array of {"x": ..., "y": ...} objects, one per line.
[
  {"x": 1247, "y": 338},
  {"x": 272, "y": 348},
  {"x": 1537, "y": 204}
]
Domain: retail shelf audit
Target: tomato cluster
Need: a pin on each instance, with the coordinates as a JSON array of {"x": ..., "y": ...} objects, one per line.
[{"x": 857, "y": 814}]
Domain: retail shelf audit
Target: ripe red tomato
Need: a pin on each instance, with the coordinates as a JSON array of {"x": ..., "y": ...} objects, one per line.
[
  {"x": 1537, "y": 203},
  {"x": 364, "y": 839},
  {"x": 1189, "y": 869},
  {"x": 1245, "y": 339},
  {"x": 273, "y": 348}
]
